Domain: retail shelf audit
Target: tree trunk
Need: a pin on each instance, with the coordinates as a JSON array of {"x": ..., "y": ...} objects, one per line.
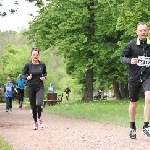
[
  {"x": 116, "y": 90},
  {"x": 124, "y": 90},
  {"x": 121, "y": 86},
  {"x": 88, "y": 91},
  {"x": 90, "y": 30}
]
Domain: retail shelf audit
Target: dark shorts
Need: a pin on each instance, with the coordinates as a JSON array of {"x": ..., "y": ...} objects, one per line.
[
  {"x": 135, "y": 87},
  {"x": 20, "y": 92}
]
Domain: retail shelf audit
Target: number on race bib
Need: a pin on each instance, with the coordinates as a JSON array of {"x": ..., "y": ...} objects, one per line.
[{"x": 143, "y": 61}]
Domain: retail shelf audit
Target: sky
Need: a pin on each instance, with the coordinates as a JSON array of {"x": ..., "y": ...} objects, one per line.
[{"x": 20, "y": 18}]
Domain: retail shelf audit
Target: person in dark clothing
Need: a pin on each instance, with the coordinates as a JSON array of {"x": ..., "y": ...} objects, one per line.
[
  {"x": 137, "y": 55},
  {"x": 35, "y": 73},
  {"x": 20, "y": 83},
  {"x": 99, "y": 91},
  {"x": 67, "y": 90}
]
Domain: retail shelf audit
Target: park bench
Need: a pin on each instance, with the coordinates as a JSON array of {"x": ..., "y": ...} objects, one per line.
[{"x": 52, "y": 99}]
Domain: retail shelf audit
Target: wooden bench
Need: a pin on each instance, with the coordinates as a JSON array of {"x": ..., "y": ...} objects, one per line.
[{"x": 52, "y": 99}]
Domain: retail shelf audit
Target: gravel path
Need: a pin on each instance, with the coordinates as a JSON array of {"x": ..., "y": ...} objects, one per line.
[{"x": 63, "y": 133}]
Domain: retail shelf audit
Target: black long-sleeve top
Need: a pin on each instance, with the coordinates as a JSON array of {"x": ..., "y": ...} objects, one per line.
[
  {"x": 133, "y": 49},
  {"x": 67, "y": 90},
  {"x": 37, "y": 71}
]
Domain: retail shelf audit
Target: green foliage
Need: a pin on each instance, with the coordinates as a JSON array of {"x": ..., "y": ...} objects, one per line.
[
  {"x": 10, "y": 64},
  {"x": 130, "y": 13},
  {"x": 56, "y": 74},
  {"x": 13, "y": 59}
]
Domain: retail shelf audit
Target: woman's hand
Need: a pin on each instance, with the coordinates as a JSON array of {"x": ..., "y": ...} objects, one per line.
[
  {"x": 42, "y": 78},
  {"x": 29, "y": 77}
]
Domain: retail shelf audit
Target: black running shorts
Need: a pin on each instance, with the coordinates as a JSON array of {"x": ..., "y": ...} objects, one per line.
[{"x": 135, "y": 87}]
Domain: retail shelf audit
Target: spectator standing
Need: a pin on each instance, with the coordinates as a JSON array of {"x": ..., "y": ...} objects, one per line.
[
  {"x": 67, "y": 91},
  {"x": 20, "y": 89},
  {"x": 99, "y": 93},
  {"x": 51, "y": 88},
  {"x": 35, "y": 73}
]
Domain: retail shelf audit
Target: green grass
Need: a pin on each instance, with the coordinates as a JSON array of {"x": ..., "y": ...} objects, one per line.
[
  {"x": 4, "y": 145},
  {"x": 104, "y": 111}
]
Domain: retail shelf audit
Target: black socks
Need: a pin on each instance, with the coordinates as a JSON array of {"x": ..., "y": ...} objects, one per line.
[
  {"x": 146, "y": 124},
  {"x": 132, "y": 125}
]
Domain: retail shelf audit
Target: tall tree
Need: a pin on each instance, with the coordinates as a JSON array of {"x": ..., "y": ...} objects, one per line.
[
  {"x": 74, "y": 40},
  {"x": 85, "y": 33}
]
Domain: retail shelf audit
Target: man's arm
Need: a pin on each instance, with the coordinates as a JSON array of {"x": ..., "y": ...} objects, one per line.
[{"x": 124, "y": 57}]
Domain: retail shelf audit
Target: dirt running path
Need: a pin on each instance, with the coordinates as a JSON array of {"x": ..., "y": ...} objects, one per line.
[{"x": 62, "y": 133}]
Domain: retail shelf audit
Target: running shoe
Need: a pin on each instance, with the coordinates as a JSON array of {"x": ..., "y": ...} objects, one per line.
[
  {"x": 31, "y": 111},
  {"x": 41, "y": 123},
  {"x": 35, "y": 126},
  {"x": 146, "y": 131},
  {"x": 20, "y": 106},
  {"x": 10, "y": 109},
  {"x": 6, "y": 110},
  {"x": 132, "y": 133}
]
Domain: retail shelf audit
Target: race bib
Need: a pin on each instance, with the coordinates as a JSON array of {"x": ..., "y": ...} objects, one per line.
[
  {"x": 143, "y": 61},
  {"x": 8, "y": 89}
]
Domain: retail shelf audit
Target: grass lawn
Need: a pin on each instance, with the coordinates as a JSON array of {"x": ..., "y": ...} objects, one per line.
[{"x": 104, "y": 111}]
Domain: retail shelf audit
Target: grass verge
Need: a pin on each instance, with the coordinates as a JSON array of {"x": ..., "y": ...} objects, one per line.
[
  {"x": 4, "y": 145},
  {"x": 104, "y": 111}
]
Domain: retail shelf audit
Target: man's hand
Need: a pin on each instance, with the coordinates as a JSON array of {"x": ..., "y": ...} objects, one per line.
[{"x": 134, "y": 60}]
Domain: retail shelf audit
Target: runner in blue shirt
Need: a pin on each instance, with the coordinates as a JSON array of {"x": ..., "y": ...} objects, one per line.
[{"x": 20, "y": 89}]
